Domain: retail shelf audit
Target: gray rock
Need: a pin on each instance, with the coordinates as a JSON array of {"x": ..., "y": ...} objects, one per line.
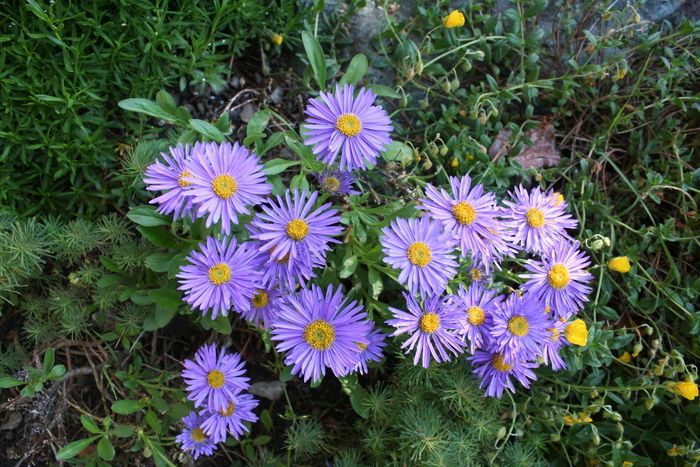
[{"x": 268, "y": 389}]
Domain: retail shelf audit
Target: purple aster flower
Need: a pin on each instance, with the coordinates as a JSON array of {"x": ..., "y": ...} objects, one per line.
[
  {"x": 432, "y": 329},
  {"x": 372, "y": 351},
  {"x": 423, "y": 254},
  {"x": 466, "y": 212},
  {"x": 230, "y": 420},
  {"x": 519, "y": 327},
  {"x": 320, "y": 330},
  {"x": 222, "y": 274},
  {"x": 353, "y": 127},
  {"x": 337, "y": 182},
  {"x": 225, "y": 180},
  {"x": 287, "y": 223},
  {"x": 262, "y": 306},
  {"x": 553, "y": 343},
  {"x": 478, "y": 304},
  {"x": 559, "y": 279},
  {"x": 172, "y": 176},
  {"x": 193, "y": 438},
  {"x": 536, "y": 221},
  {"x": 214, "y": 379},
  {"x": 496, "y": 247},
  {"x": 495, "y": 371}
]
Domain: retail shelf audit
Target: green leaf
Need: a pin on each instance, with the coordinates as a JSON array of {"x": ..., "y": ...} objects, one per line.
[
  {"x": 57, "y": 371},
  {"x": 9, "y": 382},
  {"x": 147, "y": 107},
  {"x": 159, "y": 236},
  {"x": 73, "y": 449},
  {"x": 398, "y": 151},
  {"x": 299, "y": 182},
  {"x": 222, "y": 325},
  {"x": 49, "y": 357},
  {"x": 110, "y": 264},
  {"x": 153, "y": 421},
  {"x": 348, "y": 267},
  {"x": 356, "y": 70},
  {"x": 108, "y": 280},
  {"x": 147, "y": 216},
  {"x": 358, "y": 394},
  {"x": 207, "y": 129},
  {"x": 316, "y": 58},
  {"x": 169, "y": 299},
  {"x": 258, "y": 123},
  {"x": 166, "y": 101},
  {"x": 158, "y": 262},
  {"x": 90, "y": 425},
  {"x": 276, "y": 166},
  {"x": 286, "y": 374},
  {"x": 384, "y": 91},
  {"x": 375, "y": 283},
  {"x": 262, "y": 440},
  {"x": 122, "y": 431},
  {"x": 126, "y": 407},
  {"x": 105, "y": 449}
]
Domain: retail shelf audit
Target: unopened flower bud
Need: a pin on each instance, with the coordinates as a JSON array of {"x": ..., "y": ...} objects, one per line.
[
  {"x": 443, "y": 150},
  {"x": 467, "y": 66},
  {"x": 454, "y": 85},
  {"x": 424, "y": 103},
  {"x": 501, "y": 433}
]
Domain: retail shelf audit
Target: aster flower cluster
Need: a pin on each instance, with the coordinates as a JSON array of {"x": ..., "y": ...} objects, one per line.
[
  {"x": 506, "y": 336},
  {"x": 216, "y": 385}
]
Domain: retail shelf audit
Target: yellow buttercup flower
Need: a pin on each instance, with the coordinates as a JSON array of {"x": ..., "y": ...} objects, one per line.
[
  {"x": 581, "y": 419},
  {"x": 687, "y": 389},
  {"x": 576, "y": 332},
  {"x": 277, "y": 39},
  {"x": 626, "y": 357},
  {"x": 619, "y": 264},
  {"x": 627, "y": 464},
  {"x": 454, "y": 163},
  {"x": 454, "y": 20}
]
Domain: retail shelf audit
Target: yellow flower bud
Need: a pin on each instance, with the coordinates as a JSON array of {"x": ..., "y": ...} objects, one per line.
[
  {"x": 626, "y": 357},
  {"x": 619, "y": 264},
  {"x": 454, "y": 20},
  {"x": 576, "y": 332},
  {"x": 277, "y": 39},
  {"x": 687, "y": 389},
  {"x": 454, "y": 163}
]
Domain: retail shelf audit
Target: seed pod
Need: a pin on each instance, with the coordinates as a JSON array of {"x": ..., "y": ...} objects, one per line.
[
  {"x": 403, "y": 101},
  {"x": 424, "y": 103},
  {"x": 443, "y": 150},
  {"x": 501, "y": 433},
  {"x": 454, "y": 85},
  {"x": 446, "y": 85},
  {"x": 467, "y": 66}
]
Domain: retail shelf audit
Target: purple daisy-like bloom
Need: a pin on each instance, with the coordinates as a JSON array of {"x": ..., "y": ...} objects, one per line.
[
  {"x": 351, "y": 126},
  {"x": 226, "y": 179},
  {"x": 519, "y": 327},
  {"x": 478, "y": 304},
  {"x": 291, "y": 221},
  {"x": 320, "y": 331},
  {"x": 193, "y": 438},
  {"x": 553, "y": 343},
  {"x": 285, "y": 273},
  {"x": 467, "y": 212},
  {"x": 213, "y": 379},
  {"x": 337, "y": 182},
  {"x": 422, "y": 252},
  {"x": 496, "y": 247},
  {"x": 537, "y": 222},
  {"x": 432, "y": 329},
  {"x": 495, "y": 371},
  {"x": 230, "y": 420},
  {"x": 172, "y": 176},
  {"x": 372, "y": 351},
  {"x": 559, "y": 279},
  {"x": 262, "y": 306},
  {"x": 222, "y": 274}
]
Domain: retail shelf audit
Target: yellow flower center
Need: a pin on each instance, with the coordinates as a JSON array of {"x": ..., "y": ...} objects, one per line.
[
  {"x": 181, "y": 178},
  {"x": 476, "y": 315},
  {"x": 260, "y": 299},
  {"x": 361, "y": 346},
  {"x": 547, "y": 309},
  {"x": 348, "y": 124},
  {"x": 331, "y": 184},
  {"x": 319, "y": 334},
  {"x": 224, "y": 186},
  {"x": 198, "y": 435},
  {"x": 518, "y": 326},
  {"x": 283, "y": 260},
  {"x": 297, "y": 229},
  {"x": 219, "y": 274},
  {"x": 475, "y": 274},
  {"x": 535, "y": 218},
  {"x": 557, "y": 198},
  {"x": 558, "y": 276},
  {"x": 500, "y": 364},
  {"x": 429, "y": 322},
  {"x": 464, "y": 213},
  {"x": 215, "y": 379},
  {"x": 228, "y": 411},
  {"x": 419, "y": 254},
  {"x": 555, "y": 334}
]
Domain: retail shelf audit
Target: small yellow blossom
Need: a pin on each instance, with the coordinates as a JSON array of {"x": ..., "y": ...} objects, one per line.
[
  {"x": 619, "y": 264},
  {"x": 576, "y": 332},
  {"x": 687, "y": 389},
  {"x": 277, "y": 39},
  {"x": 626, "y": 357},
  {"x": 454, "y": 163},
  {"x": 454, "y": 19},
  {"x": 627, "y": 464},
  {"x": 674, "y": 451},
  {"x": 580, "y": 419}
]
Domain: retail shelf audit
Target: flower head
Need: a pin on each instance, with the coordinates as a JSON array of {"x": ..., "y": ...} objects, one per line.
[
  {"x": 286, "y": 223},
  {"x": 337, "y": 182},
  {"x": 230, "y": 420},
  {"x": 423, "y": 254},
  {"x": 372, "y": 351},
  {"x": 553, "y": 343},
  {"x": 576, "y": 332},
  {"x": 495, "y": 371},
  {"x": 193, "y": 438},
  {"x": 559, "y": 279},
  {"x": 519, "y": 327},
  {"x": 262, "y": 306},
  {"x": 478, "y": 305},
  {"x": 686, "y": 389},
  {"x": 172, "y": 176},
  {"x": 226, "y": 179},
  {"x": 320, "y": 330},
  {"x": 536, "y": 221},
  {"x": 620, "y": 264},
  {"x": 350, "y": 126},
  {"x": 432, "y": 329},
  {"x": 277, "y": 39},
  {"x": 287, "y": 273},
  {"x": 223, "y": 273},
  {"x": 496, "y": 247},
  {"x": 213, "y": 379},
  {"x": 454, "y": 20}
]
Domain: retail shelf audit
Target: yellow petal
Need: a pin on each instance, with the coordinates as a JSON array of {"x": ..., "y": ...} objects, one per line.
[
  {"x": 277, "y": 39},
  {"x": 576, "y": 332},
  {"x": 626, "y": 357},
  {"x": 569, "y": 420},
  {"x": 454, "y": 19},
  {"x": 687, "y": 389},
  {"x": 619, "y": 264}
]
